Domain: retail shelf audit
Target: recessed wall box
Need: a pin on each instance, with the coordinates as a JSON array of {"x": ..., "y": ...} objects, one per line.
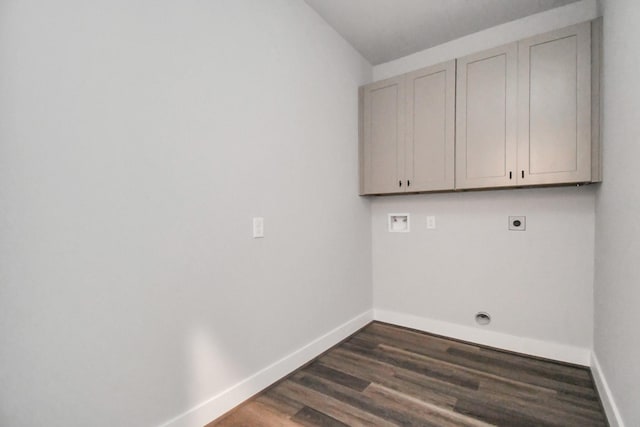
[
  {"x": 517, "y": 223},
  {"x": 399, "y": 223}
]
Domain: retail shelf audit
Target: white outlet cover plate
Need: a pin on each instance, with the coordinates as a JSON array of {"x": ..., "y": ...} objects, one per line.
[{"x": 513, "y": 221}]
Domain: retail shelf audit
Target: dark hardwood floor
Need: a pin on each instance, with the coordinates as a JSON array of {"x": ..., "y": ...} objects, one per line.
[{"x": 386, "y": 375}]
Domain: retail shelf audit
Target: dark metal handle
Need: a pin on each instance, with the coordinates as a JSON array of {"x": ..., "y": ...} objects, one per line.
[
  {"x": 408, "y": 183},
  {"x": 510, "y": 175},
  {"x": 400, "y": 183},
  {"x": 523, "y": 174}
]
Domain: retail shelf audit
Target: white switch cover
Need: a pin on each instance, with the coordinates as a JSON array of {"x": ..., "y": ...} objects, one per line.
[
  {"x": 258, "y": 227},
  {"x": 431, "y": 222}
]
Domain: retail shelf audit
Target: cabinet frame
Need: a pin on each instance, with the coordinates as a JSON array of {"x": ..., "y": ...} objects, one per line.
[
  {"x": 528, "y": 137},
  {"x": 506, "y": 177},
  {"x": 404, "y": 162},
  {"x": 369, "y": 181},
  {"x": 580, "y": 35}
]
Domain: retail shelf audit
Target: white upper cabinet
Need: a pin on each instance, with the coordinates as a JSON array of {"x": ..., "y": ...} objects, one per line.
[
  {"x": 430, "y": 136},
  {"x": 554, "y": 107},
  {"x": 408, "y": 132},
  {"x": 522, "y": 114},
  {"x": 383, "y": 128},
  {"x": 486, "y": 118}
]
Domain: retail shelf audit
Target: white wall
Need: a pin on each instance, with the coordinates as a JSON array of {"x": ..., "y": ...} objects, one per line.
[
  {"x": 137, "y": 140},
  {"x": 537, "y": 284},
  {"x": 549, "y": 20},
  {"x": 617, "y": 278}
]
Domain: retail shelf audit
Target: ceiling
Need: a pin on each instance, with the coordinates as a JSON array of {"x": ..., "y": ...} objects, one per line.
[{"x": 383, "y": 30}]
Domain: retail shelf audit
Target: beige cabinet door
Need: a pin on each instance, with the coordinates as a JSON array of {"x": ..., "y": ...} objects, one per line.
[
  {"x": 554, "y": 107},
  {"x": 383, "y": 141},
  {"x": 486, "y": 118},
  {"x": 430, "y": 123}
]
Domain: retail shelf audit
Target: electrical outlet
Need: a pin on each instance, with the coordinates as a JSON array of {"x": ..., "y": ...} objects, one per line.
[{"x": 517, "y": 223}]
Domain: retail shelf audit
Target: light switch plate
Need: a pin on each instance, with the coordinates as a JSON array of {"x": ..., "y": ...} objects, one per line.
[
  {"x": 431, "y": 222},
  {"x": 258, "y": 227},
  {"x": 517, "y": 223}
]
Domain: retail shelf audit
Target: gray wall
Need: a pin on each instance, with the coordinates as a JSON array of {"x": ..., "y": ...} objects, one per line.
[
  {"x": 536, "y": 284},
  {"x": 617, "y": 266},
  {"x": 137, "y": 141}
]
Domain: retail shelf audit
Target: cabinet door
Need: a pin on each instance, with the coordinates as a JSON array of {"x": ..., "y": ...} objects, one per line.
[
  {"x": 554, "y": 141},
  {"x": 383, "y": 142},
  {"x": 429, "y": 156},
  {"x": 486, "y": 118}
]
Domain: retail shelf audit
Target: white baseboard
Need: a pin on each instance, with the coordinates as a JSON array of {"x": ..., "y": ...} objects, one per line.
[
  {"x": 610, "y": 407},
  {"x": 533, "y": 347},
  {"x": 226, "y": 400},
  {"x": 221, "y": 403}
]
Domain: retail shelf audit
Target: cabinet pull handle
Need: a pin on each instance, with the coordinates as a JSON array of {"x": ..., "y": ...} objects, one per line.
[
  {"x": 523, "y": 173},
  {"x": 400, "y": 183},
  {"x": 408, "y": 183},
  {"x": 510, "y": 175}
]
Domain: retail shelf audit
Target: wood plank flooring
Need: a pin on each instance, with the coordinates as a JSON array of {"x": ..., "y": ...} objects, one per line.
[{"x": 385, "y": 375}]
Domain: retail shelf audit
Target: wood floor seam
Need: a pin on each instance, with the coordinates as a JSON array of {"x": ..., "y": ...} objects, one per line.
[{"x": 474, "y": 371}]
